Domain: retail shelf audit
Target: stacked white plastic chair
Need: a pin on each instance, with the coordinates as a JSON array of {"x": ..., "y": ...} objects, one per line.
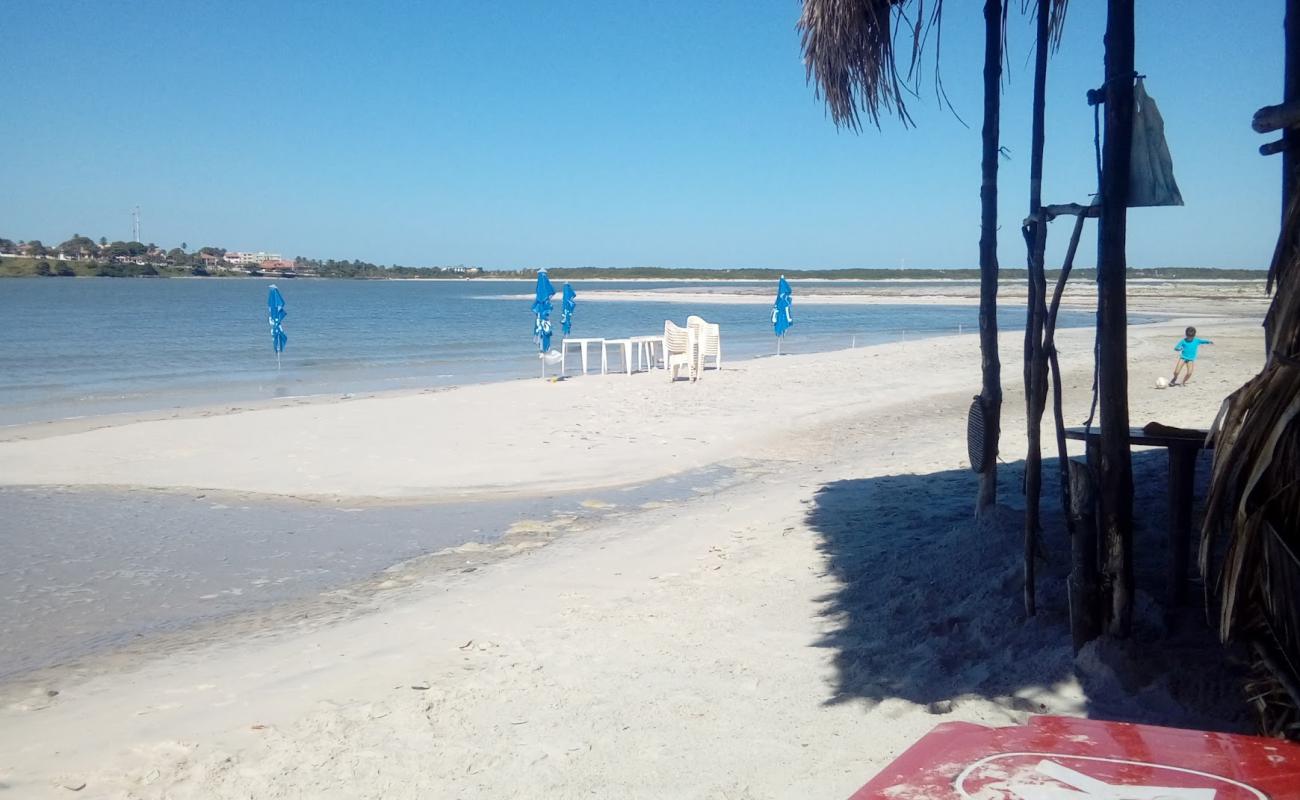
[
  {"x": 708, "y": 341},
  {"x": 679, "y": 350}
]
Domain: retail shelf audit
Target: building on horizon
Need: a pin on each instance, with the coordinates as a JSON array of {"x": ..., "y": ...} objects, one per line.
[{"x": 250, "y": 259}]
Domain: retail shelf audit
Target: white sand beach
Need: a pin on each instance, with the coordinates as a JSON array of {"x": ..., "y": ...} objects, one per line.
[
  {"x": 785, "y": 636},
  {"x": 1148, "y": 295}
]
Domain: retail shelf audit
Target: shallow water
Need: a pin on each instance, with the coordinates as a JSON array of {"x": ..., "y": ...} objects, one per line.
[
  {"x": 91, "y": 570},
  {"x": 94, "y": 346}
]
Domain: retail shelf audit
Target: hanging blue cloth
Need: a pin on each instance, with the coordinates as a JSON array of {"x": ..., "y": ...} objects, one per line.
[
  {"x": 542, "y": 310},
  {"x": 567, "y": 306},
  {"x": 275, "y": 307},
  {"x": 782, "y": 318}
]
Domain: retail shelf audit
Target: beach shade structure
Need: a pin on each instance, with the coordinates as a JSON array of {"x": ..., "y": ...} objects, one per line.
[
  {"x": 275, "y": 309},
  {"x": 782, "y": 318},
  {"x": 568, "y": 302},
  {"x": 542, "y": 311}
]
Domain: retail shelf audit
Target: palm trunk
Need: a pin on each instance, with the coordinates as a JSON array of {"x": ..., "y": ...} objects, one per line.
[
  {"x": 990, "y": 365},
  {"x": 1035, "y": 356},
  {"x": 1115, "y": 467}
]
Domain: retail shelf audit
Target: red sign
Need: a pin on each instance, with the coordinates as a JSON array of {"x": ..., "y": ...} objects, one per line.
[{"x": 1058, "y": 758}]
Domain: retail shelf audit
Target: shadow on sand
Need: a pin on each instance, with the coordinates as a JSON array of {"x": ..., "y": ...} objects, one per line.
[{"x": 930, "y": 607}]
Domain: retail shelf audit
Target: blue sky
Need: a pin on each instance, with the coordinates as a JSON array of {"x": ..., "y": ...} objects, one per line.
[{"x": 524, "y": 134}]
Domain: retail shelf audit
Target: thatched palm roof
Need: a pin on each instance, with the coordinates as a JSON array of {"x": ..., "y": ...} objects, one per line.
[
  {"x": 851, "y": 51},
  {"x": 1255, "y": 500}
]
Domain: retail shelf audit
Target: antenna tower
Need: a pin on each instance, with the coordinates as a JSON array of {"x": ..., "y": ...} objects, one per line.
[{"x": 135, "y": 224}]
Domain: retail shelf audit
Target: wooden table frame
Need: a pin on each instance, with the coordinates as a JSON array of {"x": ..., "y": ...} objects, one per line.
[{"x": 1183, "y": 451}]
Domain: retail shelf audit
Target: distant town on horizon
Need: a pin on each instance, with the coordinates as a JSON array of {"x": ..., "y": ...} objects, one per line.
[{"x": 82, "y": 256}]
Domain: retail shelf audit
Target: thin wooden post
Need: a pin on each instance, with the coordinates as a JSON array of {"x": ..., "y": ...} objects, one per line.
[
  {"x": 1290, "y": 136},
  {"x": 1290, "y": 95},
  {"x": 1084, "y": 591},
  {"x": 990, "y": 364},
  {"x": 1035, "y": 232},
  {"x": 1115, "y": 466},
  {"x": 1049, "y": 345}
]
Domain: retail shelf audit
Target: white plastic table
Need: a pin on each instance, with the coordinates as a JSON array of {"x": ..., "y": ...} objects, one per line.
[
  {"x": 645, "y": 350},
  {"x": 582, "y": 346},
  {"x": 625, "y": 345}
]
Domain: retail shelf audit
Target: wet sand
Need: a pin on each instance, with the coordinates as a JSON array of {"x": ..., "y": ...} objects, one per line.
[{"x": 128, "y": 566}]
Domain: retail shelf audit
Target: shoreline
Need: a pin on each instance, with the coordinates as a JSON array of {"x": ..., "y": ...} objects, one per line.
[
  {"x": 148, "y": 388},
  {"x": 39, "y": 429},
  {"x": 27, "y": 430},
  {"x": 314, "y": 448},
  {"x": 792, "y": 275}
]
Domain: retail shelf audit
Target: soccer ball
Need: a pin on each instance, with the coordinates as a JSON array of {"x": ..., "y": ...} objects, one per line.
[{"x": 1161, "y": 383}]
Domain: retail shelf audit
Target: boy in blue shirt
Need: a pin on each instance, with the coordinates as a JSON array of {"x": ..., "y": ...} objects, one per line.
[{"x": 1187, "y": 356}]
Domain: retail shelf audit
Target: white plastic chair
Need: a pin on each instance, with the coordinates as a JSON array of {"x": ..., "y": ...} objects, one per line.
[
  {"x": 708, "y": 341},
  {"x": 679, "y": 350}
]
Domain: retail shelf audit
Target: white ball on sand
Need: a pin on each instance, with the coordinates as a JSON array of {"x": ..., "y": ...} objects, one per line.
[{"x": 1161, "y": 383}]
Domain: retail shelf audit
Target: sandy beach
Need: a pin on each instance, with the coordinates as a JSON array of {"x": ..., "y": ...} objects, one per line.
[
  {"x": 782, "y": 634},
  {"x": 1146, "y": 295}
]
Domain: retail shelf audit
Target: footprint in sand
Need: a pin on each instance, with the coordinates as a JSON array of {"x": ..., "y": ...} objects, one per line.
[
  {"x": 38, "y": 699},
  {"x": 161, "y": 707}
]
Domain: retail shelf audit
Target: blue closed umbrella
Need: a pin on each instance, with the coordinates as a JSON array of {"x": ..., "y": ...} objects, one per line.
[
  {"x": 275, "y": 307},
  {"x": 567, "y": 305},
  {"x": 542, "y": 310},
  {"x": 782, "y": 318}
]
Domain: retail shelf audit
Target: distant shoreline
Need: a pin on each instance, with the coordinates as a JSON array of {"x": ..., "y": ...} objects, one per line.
[
  {"x": 792, "y": 277},
  {"x": 20, "y": 267}
]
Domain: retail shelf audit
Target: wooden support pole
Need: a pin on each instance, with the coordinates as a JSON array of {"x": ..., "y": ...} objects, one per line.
[
  {"x": 1115, "y": 464},
  {"x": 1290, "y": 139},
  {"x": 1083, "y": 583},
  {"x": 1290, "y": 98},
  {"x": 1078, "y": 502},
  {"x": 990, "y": 363},
  {"x": 1049, "y": 345},
  {"x": 1035, "y": 231}
]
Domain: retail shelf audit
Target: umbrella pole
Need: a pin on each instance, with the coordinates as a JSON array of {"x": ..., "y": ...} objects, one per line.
[{"x": 277, "y": 361}]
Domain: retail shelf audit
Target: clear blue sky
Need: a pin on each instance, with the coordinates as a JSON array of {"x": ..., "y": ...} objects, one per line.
[{"x": 522, "y": 134}]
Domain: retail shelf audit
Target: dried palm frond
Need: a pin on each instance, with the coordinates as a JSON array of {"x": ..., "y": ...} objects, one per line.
[
  {"x": 849, "y": 49},
  {"x": 851, "y": 52},
  {"x": 1255, "y": 488},
  {"x": 1274, "y": 702},
  {"x": 1056, "y": 22}
]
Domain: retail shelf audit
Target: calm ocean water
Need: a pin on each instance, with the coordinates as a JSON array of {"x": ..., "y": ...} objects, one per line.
[{"x": 92, "y": 346}]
